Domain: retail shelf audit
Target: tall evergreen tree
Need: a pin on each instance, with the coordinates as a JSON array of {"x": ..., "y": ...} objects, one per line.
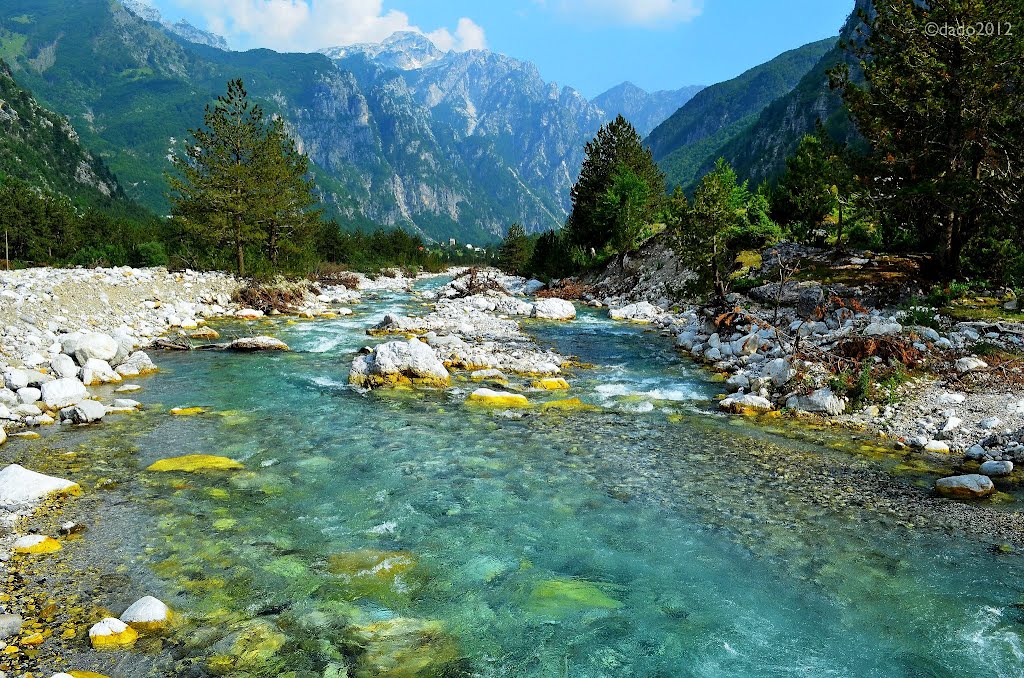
[
  {"x": 943, "y": 110},
  {"x": 617, "y": 143},
  {"x": 514, "y": 253},
  {"x": 624, "y": 207},
  {"x": 241, "y": 183}
]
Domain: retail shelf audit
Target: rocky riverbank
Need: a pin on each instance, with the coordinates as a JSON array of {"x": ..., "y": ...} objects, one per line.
[{"x": 783, "y": 348}]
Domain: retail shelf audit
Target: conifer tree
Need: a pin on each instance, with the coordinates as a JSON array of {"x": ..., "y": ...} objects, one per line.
[
  {"x": 617, "y": 143},
  {"x": 514, "y": 253}
]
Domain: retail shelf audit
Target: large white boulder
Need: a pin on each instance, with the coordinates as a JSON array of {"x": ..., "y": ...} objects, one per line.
[
  {"x": 84, "y": 412},
  {"x": 15, "y": 379},
  {"x": 745, "y": 403},
  {"x": 96, "y": 372},
  {"x": 399, "y": 362},
  {"x": 970, "y": 364},
  {"x": 554, "y": 309},
  {"x": 95, "y": 345},
  {"x": 779, "y": 371},
  {"x": 62, "y": 393},
  {"x": 137, "y": 363},
  {"x": 20, "y": 486},
  {"x": 64, "y": 366},
  {"x": 147, "y": 614},
  {"x": 822, "y": 401},
  {"x": 969, "y": 486},
  {"x": 643, "y": 311}
]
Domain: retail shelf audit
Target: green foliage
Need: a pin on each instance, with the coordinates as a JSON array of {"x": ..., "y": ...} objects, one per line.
[
  {"x": 515, "y": 251},
  {"x": 944, "y": 116},
  {"x": 553, "y": 256},
  {"x": 241, "y": 184},
  {"x": 595, "y": 220},
  {"x": 815, "y": 187},
  {"x": 624, "y": 207}
]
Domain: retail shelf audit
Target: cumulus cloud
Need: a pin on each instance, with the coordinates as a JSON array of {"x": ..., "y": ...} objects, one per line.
[
  {"x": 649, "y": 13},
  {"x": 307, "y": 25}
]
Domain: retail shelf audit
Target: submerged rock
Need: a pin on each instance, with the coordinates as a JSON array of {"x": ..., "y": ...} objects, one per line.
[
  {"x": 251, "y": 648},
  {"x": 195, "y": 463},
  {"x": 111, "y": 633},
  {"x": 20, "y": 486},
  {"x": 398, "y": 363},
  {"x": 491, "y": 398},
  {"x": 560, "y": 597},
  {"x": 970, "y": 486},
  {"x": 137, "y": 364},
  {"x": 406, "y": 647}
]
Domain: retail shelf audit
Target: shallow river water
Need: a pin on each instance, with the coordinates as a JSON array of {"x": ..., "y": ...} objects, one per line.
[{"x": 404, "y": 532}]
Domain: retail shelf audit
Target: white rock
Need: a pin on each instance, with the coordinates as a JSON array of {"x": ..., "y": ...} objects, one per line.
[
  {"x": 20, "y": 486},
  {"x": 248, "y": 313},
  {"x": 970, "y": 486},
  {"x": 146, "y": 610},
  {"x": 936, "y": 446},
  {"x": 108, "y": 626},
  {"x": 970, "y": 364},
  {"x": 137, "y": 363},
  {"x": 84, "y": 412},
  {"x": 882, "y": 329},
  {"x": 64, "y": 366},
  {"x": 737, "y": 382},
  {"x": 8, "y": 397},
  {"x": 398, "y": 360},
  {"x": 990, "y": 423},
  {"x": 15, "y": 379},
  {"x": 95, "y": 345},
  {"x": 745, "y": 402},
  {"x": 951, "y": 399},
  {"x": 63, "y": 393},
  {"x": 951, "y": 424},
  {"x": 554, "y": 309},
  {"x": 96, "y": 372},
  {"x": 639, "y": 312},
  {"x": 779, "y": 371},
  {"x": 822, "y": 401},
  {"x": 29, "y": 395},
  {"x": 126, "y": 403}
]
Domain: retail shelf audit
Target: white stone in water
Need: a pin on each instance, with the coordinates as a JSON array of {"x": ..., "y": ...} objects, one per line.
[
  {"x": 62, "y": 393},
  {"x": 128, "y": 388},
  {"x": 639, "y": 312},
  {"x": 108, "y": 626},
  {"x": 96, "y": 372},
  {"x": 146, "y": 610},
  {"x": 969, "y": 486},
  {"x": 260, "y": 343},
  {"x": 126, "y": 403},
  {"x": 554, "y": 309},
  {"x": 19, "y": 486}
]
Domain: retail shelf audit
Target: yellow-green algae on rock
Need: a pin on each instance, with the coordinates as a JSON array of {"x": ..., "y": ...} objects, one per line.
[
  {"x": 569, "y": 405},
  {"x": 551, "y": 384},
  {"x": 253, "y": 648},
  {"x": 559, "y": 597},
  {"x": 110, "y": 633},
  {"x": 36, "y": 544},
  {"x": 489, "y": 398},
  {"x": 377, "y": 575},
  {"x": 187, "y": 411},
  {"x": 195, "y": 463},
  {"x": 405, "y": 648}
]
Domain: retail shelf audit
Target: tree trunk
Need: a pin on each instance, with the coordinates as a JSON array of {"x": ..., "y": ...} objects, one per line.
[
  {"x": 948, "y": 238},
  {"x": 239, "y": 247}
]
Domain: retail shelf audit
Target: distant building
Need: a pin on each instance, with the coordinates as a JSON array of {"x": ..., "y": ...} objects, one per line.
[
  {"x": 451, "y": 242},
  {"x": 469, "y": 246}
]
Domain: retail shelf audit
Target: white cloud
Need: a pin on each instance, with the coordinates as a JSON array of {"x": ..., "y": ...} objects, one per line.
[
  {"x": 308, "y": 25},
  {"x": 648, "y": 13}
]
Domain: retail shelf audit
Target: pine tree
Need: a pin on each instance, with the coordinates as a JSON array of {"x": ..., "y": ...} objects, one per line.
[
  {"x": 703, "y": 233},
  {"x": 514, "y": 253},
  {"x": 944, "y": 115},
  {"x": 617, "y": 143},
  {"x": 809, "y": 191},
  {"x": 624, "y": 208},
  {"x": 241, "y": 182}
]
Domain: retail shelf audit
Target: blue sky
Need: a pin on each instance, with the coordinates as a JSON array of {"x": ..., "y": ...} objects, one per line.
[{"x": 588, "y": 44}]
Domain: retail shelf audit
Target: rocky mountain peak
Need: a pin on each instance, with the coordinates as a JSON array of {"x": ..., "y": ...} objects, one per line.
[{"x": 403, "y": 50}]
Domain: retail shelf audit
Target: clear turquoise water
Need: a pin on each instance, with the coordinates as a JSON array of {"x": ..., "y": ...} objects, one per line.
[{"x": 680, "y": 543}]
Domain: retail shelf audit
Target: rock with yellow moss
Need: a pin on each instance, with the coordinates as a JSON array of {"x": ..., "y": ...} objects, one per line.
[
  {"x": 20, "y": 487},
  {"x": 36, "y": 544},
  {"x": 491, "y": 398},
  {"x": 399, "y": 363},
  {"x": 745, "y": 403},
  {"x": 79, "y": 674},
  {"x": 569, "y": 405},
  {"x": 195, "y": 463},
  {"x": 551, "y": 384},
  {"x": 147, "y": 614},
  {"x": 254, "y": 646},
  {"x": 405, "y": 647},
  {"x": 187, "y": 411},
  {"x": 110, "y": 633}
]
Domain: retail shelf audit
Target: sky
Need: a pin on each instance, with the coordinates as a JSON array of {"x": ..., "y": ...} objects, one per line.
[{"x": 591, "y": 45}]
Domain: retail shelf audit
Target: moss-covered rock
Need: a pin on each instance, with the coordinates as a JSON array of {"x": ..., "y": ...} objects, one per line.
[
  {"x": 195, "y": 463},
  {"x": 404, "y": 648},
  {"x": 560, "y": 597}
]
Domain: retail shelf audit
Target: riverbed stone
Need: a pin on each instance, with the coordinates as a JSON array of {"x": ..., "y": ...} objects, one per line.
[
  {"x": 937, "y": 447},
  {"x": 491, "y": 398},
  {"x": 94, "y": 345},
  {"x": 147, "y": 614},
  {"x": 29, "y": 395},
  {"x": 15, "y": 379},
  {"x": 745, "y": 403},
  {"x": 96, "y": 372},
  {"x": 821, "y": 401},
  {"x": 36, "y": 544},
  {"x": 10, "y": 625},
  {"x": 969, "y": 486},
  {"x": 194, "y": 463},
  {"x": 64, "y": 366},
  {"x": 996, "y": 468},
  {"x": 970, "y": 364},
  {"x": 137, "y": 364},
  {"x": 397, "y": 363},
  {"x": 551, "y": 383},
  {"x": 259, "y": 343},
  {"x": 85, "y": 412},
  {"x": 62, "y": 393},
  {"x": 20, "y": 487},
  {"x": 111, "y": 633},
  {"x": 643, "y": 312},
  {"x": 554, "y": 308},
  {"x": 779, "y": 371}
]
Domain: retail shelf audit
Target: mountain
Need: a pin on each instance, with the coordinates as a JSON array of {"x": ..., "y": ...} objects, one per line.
[
  {"x": 42, "y": 149},
  {"x": 646, "y": 110},
  {"x": 760, "y": 151},
  {"x": 182, "y": 28},
  {"x": 694, "y": 136},
  {"x": 444, "y": 144}
]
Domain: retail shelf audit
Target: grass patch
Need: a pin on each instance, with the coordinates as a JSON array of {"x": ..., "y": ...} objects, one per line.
[{"x": 12, "y": 45}]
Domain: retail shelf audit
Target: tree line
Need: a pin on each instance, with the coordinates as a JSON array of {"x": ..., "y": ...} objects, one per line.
[{"x": 938, "y": 168}]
